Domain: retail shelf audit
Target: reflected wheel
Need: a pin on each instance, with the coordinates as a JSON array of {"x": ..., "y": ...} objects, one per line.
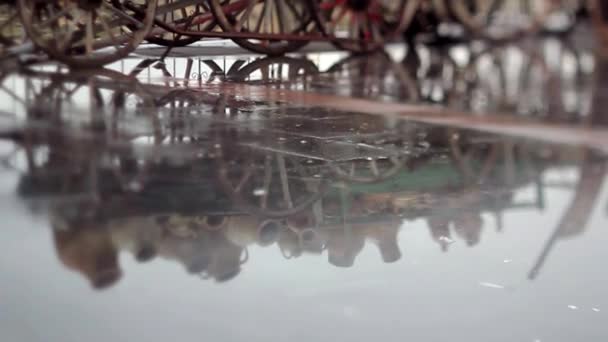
[{"x": 87, "y": 33}]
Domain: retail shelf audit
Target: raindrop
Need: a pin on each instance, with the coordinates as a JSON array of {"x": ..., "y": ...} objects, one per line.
[
  {"x": 572, "y": 307},
  {"x": 303, "y": 142},
  {"x": 507, "y": 261},
  {"x": 259, "y": 192},
  {"x": 492, "y": 285},
  {"x": 595, "y": 309},
  {"x": 446, "y": 239},
  {"x": 282, "y": 138}
]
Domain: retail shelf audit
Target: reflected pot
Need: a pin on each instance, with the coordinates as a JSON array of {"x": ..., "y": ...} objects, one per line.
[
  {"x": 312, "y": 240},
  {"x": 289, "y": 244},
  {"x": 343, "y": 247},
  {"x": 91, "y": 253},
  {"x": 385, "y": 237},
  {"x": 247, "y": 230}
]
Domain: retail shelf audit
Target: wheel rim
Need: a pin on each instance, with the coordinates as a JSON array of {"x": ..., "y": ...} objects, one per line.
[{"x": 87, "y": 36}]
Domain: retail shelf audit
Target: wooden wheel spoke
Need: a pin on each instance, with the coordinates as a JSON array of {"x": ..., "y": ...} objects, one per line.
[
  {"x": 296, "y": 14},
  {"x": 284, "y": 181},
  {"x": 122, "y": 15},
  {"x": 265, "y": 17},
  {"x": 376, "y": 35},
  {"x": 244, "y": 179},
  {"x": 267, "y": 182},
  {"x": 9, "y": 21},
  {"x": 64, "y": 44},
  {"x": 281, "y": 15},
  {"x": 12, "y": 94},
  {"x": 90, "y": 33},
  {"x": 106, "y": 27},
  {"x": 55, "y": 17},
  {"x": 486, "y": 9},
  {"x": 205, "y": 6},
  {"x": 355, "y": 26},
  {"x": 373, "y": 166},
  {"x": 335, "y": 21},
  {"x": 258, "y": 25},
  {"x": 245, "y": 16}
]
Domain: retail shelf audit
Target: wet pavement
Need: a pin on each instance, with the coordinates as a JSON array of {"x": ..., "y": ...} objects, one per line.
[{"x": 455, "y": 194}]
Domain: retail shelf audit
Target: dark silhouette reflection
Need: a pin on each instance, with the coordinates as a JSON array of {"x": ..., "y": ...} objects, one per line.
[
  {"x": 343, "y": 246},
  {"x": 576, "y": 217},
  {"x": 154, "y": 206},
  {"x": 90, "y": 252},
  {"x": 439, "y": 227}
]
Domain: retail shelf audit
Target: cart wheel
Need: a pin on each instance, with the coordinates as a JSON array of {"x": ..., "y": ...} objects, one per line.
[
  {"x": 11, "y": 31},
  {"x": 494, "y": 20},
  {"x": 269, "y": 184},
  {"x": 195, "y": 18},
  {"x": 276, "y": 70},
  {"x": 365, "y": 25},
  {"x": 376, "y": 154},
  {"x": 87, "y": 33},
  {"x": 268, "y": 17}
]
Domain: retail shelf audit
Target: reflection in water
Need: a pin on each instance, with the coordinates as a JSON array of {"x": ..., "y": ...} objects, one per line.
[
  {"x": 198, "y": 202},
  {"x": 177, "y": 174},
  {"x": 174, "y": 212},
  {"x": 176, "y": 169}
]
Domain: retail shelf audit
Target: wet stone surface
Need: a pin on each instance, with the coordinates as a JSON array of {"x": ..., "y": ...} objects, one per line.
[{"x": 199, "y": 199}]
